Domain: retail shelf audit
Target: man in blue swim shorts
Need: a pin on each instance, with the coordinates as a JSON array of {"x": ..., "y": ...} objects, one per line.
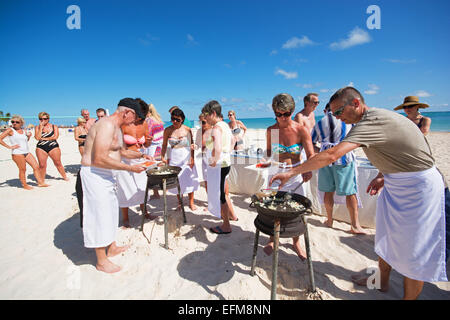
[{"x": 338, "y": 177}]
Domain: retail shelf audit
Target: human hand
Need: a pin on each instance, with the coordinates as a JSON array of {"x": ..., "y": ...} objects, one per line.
[
  {"x": 375, "y": 186},
  {"x": 137, "y": 168},
  {"x": 147, "y": 157},
  {"x": 191, "y": 163},
  {"x": 16, "y": 146},
  {"x": 282, "y": 177},
  {"x": 307, "y": 176}
]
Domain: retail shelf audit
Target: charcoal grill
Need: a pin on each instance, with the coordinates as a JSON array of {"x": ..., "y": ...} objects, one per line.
[
  {"x": 284, "y": 224},
  {"x": 163, "y": 182}
]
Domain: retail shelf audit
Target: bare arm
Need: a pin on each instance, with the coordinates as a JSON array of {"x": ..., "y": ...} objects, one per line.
[
  {"x": 217, "y": 149},
  {"x": 148, "y": 137},
  {"x": 167, "y": 132},
  {"x": 7, "y": 132},
  {"x": 426, "y": 125},
  {"x": 320, "y": 160}
]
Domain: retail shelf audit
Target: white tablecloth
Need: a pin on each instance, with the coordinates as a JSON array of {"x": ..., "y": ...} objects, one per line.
[{"x": 245, "y": 178}]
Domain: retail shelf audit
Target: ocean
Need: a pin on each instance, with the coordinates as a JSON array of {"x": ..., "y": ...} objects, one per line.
[{"x": 440, "y": 121}]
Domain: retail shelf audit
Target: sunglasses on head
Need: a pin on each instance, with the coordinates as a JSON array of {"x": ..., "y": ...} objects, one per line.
[
  {"x": 286, "y": 114},
  {"x": 176, "y": 119},
  {"x": 43, "y": 119}
]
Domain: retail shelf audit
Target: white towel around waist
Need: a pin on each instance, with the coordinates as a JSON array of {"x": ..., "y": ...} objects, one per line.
[
  {"x": 292, "y": 183},
  {"x": 131, "y": 185},
  {"x": 410, "y": 225},
  {"x": 188, "y": 178},
  {"x": 100, "y": 207},
  {"x": 213, "y": 175}
]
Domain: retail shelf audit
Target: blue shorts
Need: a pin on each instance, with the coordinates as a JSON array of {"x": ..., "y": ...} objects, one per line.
[{"x": 339, "y": 178}]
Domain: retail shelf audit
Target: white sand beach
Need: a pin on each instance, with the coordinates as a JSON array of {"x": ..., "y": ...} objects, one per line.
[{"x": 42, "y": 254}]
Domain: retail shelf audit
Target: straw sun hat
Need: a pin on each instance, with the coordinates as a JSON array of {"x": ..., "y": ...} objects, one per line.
[{"x": 411, "y": 101}]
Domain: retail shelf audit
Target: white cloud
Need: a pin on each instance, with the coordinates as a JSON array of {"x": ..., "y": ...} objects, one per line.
[
  {"x": 295, "y": 42},
  {"x": 350, "y": 84},
  {"x": 191, "y": 39},
  {"x": 324, "y": 90},
  {"x": 148, "y": 39},
  {"x": 273, "y": 52},
  {"x": 304, "y": 85},
  {"x": 401, "y": 61},
  {"x": 286, "y": 74},
  {"x": 422, "y": 94},
  {"x": 373, "y": 89},
  {"x": 356, "y": 37}
]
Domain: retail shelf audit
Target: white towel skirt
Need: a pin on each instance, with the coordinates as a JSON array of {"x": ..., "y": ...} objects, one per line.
[
  {"x": 131, "y": 185},
  {"x": 410, "y": 225},
  {"x": 100, "y": 207}
]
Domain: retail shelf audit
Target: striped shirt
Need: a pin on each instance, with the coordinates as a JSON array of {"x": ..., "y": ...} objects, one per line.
[{"x": 330, "y": 131}]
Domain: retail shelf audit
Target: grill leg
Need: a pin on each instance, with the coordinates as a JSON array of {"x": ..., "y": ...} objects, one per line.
[
  {"x": 166, "y": 227},
  {"x": 181, "y": 201},
  {"x": 144, "y": 213},
  {"x": 255, "y": 251},
  {"x": 309, "y": 259},
  {"x": 276, "y": 240}
]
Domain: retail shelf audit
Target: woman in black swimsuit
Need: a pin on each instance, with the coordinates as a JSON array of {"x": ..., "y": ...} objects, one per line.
[
  {"x": 46, "y": 134},
  {"x": 411, "y": 107},
  {"x": 80, "y": 134}
]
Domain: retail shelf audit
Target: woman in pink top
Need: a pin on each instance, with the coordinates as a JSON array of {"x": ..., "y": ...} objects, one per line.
[
  {"x": 21, "y": 155},
  {"x": 156, "y": 130},
  {"x": 131, "y": 186}
]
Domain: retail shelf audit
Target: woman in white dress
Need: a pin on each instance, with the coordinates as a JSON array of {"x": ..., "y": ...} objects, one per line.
[
  {"x": 21, "y": 154},
  {"x": 179, "y": 139}
]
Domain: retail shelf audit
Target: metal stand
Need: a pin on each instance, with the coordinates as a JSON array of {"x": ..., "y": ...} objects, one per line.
[
  {"x": 165, "y": 215},
  {"x": 276, "y": 241}
]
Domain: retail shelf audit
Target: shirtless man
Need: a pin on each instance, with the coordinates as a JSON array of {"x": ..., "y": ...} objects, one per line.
[
  {"x": 306, "y": 116},
  {"x": 89, "y": 121},
  {"x": 103, "y": 151}
]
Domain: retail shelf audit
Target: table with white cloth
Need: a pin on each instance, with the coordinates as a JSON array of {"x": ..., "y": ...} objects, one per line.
[{"x": 246, "y": 178}]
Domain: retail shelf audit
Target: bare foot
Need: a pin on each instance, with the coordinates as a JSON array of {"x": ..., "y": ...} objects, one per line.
[
  {"x": 150, "y": 216},
  {"x": 114, "y": 251},
  {"x": 193, "y": 207},
  {"x": 329, "y": 223},
  {"x": 27, "y": 187},
  {"x": 205, "y": 209},
  {"x": 268, "y": 249},
  {"x": 108, "y": 267},
  {"x": 361, "y": 280},
  {"x": 358, "y": 230},
  {"x": 299, "y": 251},
  {"x": 42, "y": 185},
  {"x": 66, "y": 179}
]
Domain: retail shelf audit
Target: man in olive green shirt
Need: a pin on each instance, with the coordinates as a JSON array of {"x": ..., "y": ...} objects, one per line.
[{"x": 410, "y": 218}]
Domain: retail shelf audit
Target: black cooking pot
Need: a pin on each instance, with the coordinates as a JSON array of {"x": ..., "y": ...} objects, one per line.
[
  {"x": 280, "y": 198},
  {"x": 154, "y": 178}
]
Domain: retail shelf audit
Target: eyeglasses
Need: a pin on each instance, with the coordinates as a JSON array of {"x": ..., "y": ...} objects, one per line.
[
  {"x": 339, "y": 111},
  {"x": 315, "y": 102},
  {"x": 15, "y": 121},
  {"x": 41, "y": 119},
  {"x": 175, "y": 119},
  {"x": 286, "y": 114}
]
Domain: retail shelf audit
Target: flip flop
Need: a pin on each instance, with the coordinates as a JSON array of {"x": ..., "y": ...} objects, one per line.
[{"x": 213, "y": 230}]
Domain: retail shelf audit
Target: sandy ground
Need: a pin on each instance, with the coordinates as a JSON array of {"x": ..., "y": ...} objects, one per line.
[{"x": 43, "y": 257}]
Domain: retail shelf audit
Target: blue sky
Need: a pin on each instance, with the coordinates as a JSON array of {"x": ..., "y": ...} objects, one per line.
[{"x": 239, "y": 52}]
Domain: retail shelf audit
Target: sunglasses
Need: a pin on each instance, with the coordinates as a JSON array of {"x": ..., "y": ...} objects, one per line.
[
  {"x": 286, "y": 114},
  {"x": 203, "y": 122},
  {"x": 315, "y": 102},
  {"x": 43, "y": 119},
  {"x": 175, "y": 119},
  {"x": 15, "y": 121},
  {"x": 409, "y": 107},
  {"x": 230, "y": 115},
  {"x": 339, "y": 111}
]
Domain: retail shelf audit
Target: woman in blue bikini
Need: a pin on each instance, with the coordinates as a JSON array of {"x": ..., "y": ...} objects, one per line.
[
  {"x": 46, "y": 134},
  {"x": 285, "y": 141}
]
